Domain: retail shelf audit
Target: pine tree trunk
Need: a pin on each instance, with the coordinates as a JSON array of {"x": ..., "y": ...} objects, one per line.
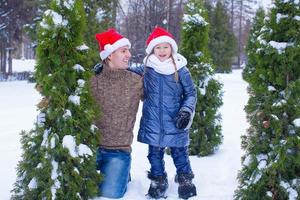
[{"x": 10, "y": 61}]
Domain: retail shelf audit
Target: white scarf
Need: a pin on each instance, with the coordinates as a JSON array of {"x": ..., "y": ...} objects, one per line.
[{"x": 166, "y": 67}]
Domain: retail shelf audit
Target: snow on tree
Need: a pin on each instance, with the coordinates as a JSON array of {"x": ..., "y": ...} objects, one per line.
[
  {"x": 58, "y": 160},
  {"x": 253, "y": 45},
  {"x": 271, "y": 164},
  {"x": 205, "y": 132}
]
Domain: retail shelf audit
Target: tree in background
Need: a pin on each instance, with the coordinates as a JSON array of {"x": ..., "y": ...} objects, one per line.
[
  {"x": 100, "y": 16},
  {"x": 35, "y": 10},
  {"x": 141, "y": 18},
  {"x": 205, "y": 132},
  {"x": 58, "y": 160},
  {"x": 271, "y": 165},
  {"x": 4, "y": 11},
  {"x": 222, "y": 42},
  {"x": 241, "y": 14},
  {"x": 14, "y": 14}
]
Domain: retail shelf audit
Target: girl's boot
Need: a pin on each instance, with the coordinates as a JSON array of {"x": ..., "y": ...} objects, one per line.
[
  {"x": 186, "y": 188},
  {"x": 158, "y": 186}
]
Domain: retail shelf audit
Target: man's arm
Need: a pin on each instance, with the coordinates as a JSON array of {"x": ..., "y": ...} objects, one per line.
[{"x": 137, "y": 69}]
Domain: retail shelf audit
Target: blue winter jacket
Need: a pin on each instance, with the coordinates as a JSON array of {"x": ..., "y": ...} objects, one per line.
[{"x": 163, "y": 99}]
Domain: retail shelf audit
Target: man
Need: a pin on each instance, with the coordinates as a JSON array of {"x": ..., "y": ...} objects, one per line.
[{"x": 118, "y": 92}]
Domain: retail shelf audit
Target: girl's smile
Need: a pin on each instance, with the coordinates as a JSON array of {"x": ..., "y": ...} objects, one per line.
[{"x": 163, "y": 51}]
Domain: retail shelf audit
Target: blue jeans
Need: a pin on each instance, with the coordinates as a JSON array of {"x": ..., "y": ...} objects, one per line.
[
  {"x": 115, "y": 166},
  {"x": 180, "y": 157}
]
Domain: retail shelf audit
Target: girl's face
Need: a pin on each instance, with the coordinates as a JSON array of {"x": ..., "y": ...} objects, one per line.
[
  {"x": 119, "y": 59},
  {"x": 163, "y": 51}
]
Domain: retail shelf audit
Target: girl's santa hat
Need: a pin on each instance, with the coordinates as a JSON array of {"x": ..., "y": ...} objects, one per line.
[
  {"x": 160, "y": 35},
  {"x": 109, "y": 41}
]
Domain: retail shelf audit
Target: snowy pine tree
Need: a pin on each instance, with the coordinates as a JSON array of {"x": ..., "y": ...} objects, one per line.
[
  {"x": 58, "y": 160},
  {"x": 253, "y": 45},
  {"x": 205, "y": 132},
  {"x": 271, "y": 165}
]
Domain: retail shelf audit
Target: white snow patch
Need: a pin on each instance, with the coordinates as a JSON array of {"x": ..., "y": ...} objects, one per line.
[
  {"x": 41, "y": 119},
  {"x": 52, "y": 142},
  {"x": 280, "y": 16},
  {"x": 280, "y": 46},
  {"x": 67, "y": 114},
  {"x": 274, "y": 117},
  {"x": 196, "y": 19},
  {"x": 296, "y": 122},
  {"x": 271, "y": 88},
  {"x": 70, "y": 144},
  {"x": 57, "y": 18},
  {"x": 81, "y": 83},
  {"x": 293, "y": 194},
  {"x": 247, "y": 160},
  {"x": 84, "y": 150},
  {"x": 69, "y": 4},
  {"x": 262, "y": 165},
  {"x": 75, "y": 99},
  {"x": 54, "y": 176},
  {"x": 45, "y": 137},
  {"x": 78, "y": 68},
  {"x": 280, "y": 103},
  {"x": 32, "y": 184},
  {"x": 93, "y": 128},
  {"x": 82, "y": 47}
]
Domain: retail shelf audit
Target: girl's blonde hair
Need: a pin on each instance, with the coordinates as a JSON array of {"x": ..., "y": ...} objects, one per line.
[{"x": 176, "y": 76}]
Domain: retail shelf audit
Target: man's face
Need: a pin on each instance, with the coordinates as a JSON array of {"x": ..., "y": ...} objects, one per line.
[{"x": 119, "y": 59}]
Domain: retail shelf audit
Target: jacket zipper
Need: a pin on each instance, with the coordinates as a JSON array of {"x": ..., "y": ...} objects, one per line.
[{"x": 160, "y": 109}]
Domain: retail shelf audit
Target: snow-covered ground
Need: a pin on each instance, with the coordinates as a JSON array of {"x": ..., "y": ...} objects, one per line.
[
  {"x": 215, "y": 175},
  {"x": 17, "y": 112}
]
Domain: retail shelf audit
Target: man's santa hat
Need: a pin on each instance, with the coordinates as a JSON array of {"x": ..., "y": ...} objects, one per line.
[
  {"x": 160, "y": 35},
  {"x": 109, "y": 41}
]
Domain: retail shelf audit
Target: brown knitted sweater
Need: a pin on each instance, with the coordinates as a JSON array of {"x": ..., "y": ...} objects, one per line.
[{"x": 118, "y": 93}]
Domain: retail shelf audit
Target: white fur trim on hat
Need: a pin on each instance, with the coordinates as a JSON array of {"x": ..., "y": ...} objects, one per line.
[
  {"x": 162, "y": 39},
  {"x": 109, "y": 48}
]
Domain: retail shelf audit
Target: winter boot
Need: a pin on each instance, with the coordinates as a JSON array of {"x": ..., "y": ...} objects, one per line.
[
  {"x": 158, "y": 186},
  {"x": 186, "y": 188}
]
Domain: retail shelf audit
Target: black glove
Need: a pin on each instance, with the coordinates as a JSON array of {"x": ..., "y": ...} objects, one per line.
[
  {"x": 182, "y": 119},
  {"x": 97, "y": 69}
]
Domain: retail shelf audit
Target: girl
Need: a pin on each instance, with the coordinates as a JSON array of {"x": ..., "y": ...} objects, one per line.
[{"x": 169, "y": 104}]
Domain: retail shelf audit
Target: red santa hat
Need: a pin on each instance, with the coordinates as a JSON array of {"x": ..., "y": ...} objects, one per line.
[
  {"x": 160, "y": 35},
  {"x": 109, "y": 41}
]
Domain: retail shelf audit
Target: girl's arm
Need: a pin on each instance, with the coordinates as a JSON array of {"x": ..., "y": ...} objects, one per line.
[
  {"x": 189, "y": 91},
  {"x": 184, "y": 120},
  {"x": 137, "y": 69}
]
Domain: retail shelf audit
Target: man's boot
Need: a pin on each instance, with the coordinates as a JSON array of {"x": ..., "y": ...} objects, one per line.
[
  {"x": 186, "y": 188},
  {"x": 158, "y": 186}
]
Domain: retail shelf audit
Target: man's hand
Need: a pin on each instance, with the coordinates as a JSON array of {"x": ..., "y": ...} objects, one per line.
[
  {"x": 182, "y": 119},
  {"x": 97, "y": 69}
]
